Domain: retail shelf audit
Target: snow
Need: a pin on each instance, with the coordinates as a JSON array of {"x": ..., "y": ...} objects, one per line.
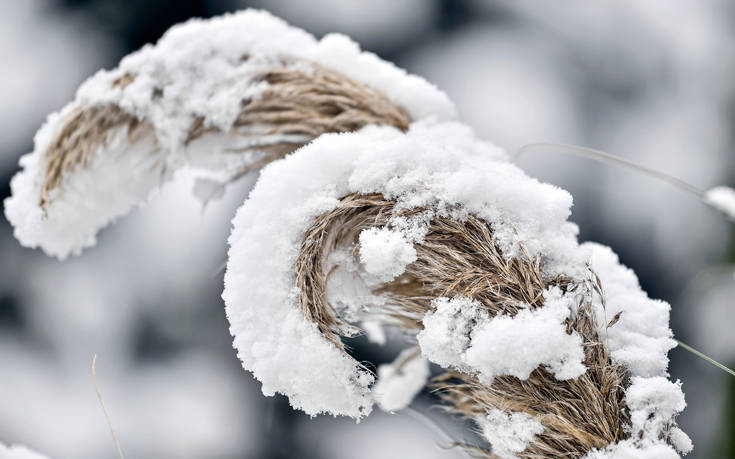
[
  {"x": 200, "y": 65},
  {"x": 653, "y": 403},
  {"x": 399, "y": 382},
  {"x": 722, "y": 198},
  {"x": 110, "y": 186},
  {"x": 459, "y": 334},
  {"x": 441, "y": 167},
  {"x": 18, "y": 452},
  {"x": 385, "y": 253},
  {"x": 628, "y": 449},
  {"x": 446, "y": 334},
  {"x": 374, "y": 331},
  {"x": 509, "y": 433},
  {"x": 196, "y": 70},
  {"x": 641, "y": 338},
  {"x": 434, "y": 165},
  {"x": 680, "y": 440},
  {"x": 516, "y": 346}
]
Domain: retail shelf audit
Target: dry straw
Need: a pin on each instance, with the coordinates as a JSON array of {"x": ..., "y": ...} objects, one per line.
[
  {"x": 302, "y": 99},
  {"x": 459, "y": 258},
  {"x": 456, "y": 258}
]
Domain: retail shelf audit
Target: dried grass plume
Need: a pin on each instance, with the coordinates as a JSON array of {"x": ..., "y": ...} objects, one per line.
[
  {"x": 460, "y": 258},
  {"x": 302, "y": 100}
]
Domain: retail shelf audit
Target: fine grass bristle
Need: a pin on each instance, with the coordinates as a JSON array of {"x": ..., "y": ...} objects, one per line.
[{"x": 609, "y": 159}]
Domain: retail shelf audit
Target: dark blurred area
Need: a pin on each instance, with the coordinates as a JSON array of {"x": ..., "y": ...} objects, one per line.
[{"x": 650, "y": 81}]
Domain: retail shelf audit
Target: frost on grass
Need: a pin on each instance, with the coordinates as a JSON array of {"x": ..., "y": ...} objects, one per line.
[
  {"x": 399, "y": 382},
  {"x": 509, "y": 433},
  {"x": 180, "y": 103},
  {"x": 722, "y": 198},
  {"x": 18, "y": 452}
]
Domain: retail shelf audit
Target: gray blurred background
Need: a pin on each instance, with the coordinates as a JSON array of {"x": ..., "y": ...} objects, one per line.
[{"x": 651, "y": 81}]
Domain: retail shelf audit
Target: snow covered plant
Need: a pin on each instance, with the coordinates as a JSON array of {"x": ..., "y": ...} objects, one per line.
[{"x": 375, "y": 211}]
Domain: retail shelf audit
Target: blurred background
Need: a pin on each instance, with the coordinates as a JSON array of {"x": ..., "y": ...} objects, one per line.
[{"x": 651, "y": 81}]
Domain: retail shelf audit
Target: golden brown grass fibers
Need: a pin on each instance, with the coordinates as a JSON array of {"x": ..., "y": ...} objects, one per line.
[
  {"x": 77, "y": 140},
  {"x": 303, "y": 100},
  {"x": 314, "y": 100},
  {"x": 460, "y": 258}
]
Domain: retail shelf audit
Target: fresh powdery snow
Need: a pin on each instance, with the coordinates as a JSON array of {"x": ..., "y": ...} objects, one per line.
[
  {"x": 446, "y": 334},
  {"x": 433, "y": 165},
  {"x": 201, "y": 69},
  {"x": 385, "y": 253},
  {"x": 18, "y": 452},
  {"x": 653, "y": 403},
  {"x": 464, "y": 337},
  {"x": 440, "y": 166},
  {"x": 509, "y": 433},
  {"x": 722, "y": 198},
  {"x": 641, "y": 339}
]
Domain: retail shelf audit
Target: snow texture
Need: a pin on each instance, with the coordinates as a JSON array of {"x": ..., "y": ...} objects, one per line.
[
  {"x": 446, "y": 334},
  {"x": 385, "y": 253},
  {"x": 628, "y": 449},
  {"x": 399, "y": 382},
  {"x": 18, "y": 452},
  {"x": 109, "y": 187},
  {"x": 518, "y": 345},
  {"x": 435, "y": 165},
  {"x": 722, "y": 198},
  {"x": 509, "y": 433},
  {"x": 439, "y": 166},
  {"x": 640, "y": 340},
  {"x": 459, "y": 334},
  {"x": 196, "y": 70}
]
